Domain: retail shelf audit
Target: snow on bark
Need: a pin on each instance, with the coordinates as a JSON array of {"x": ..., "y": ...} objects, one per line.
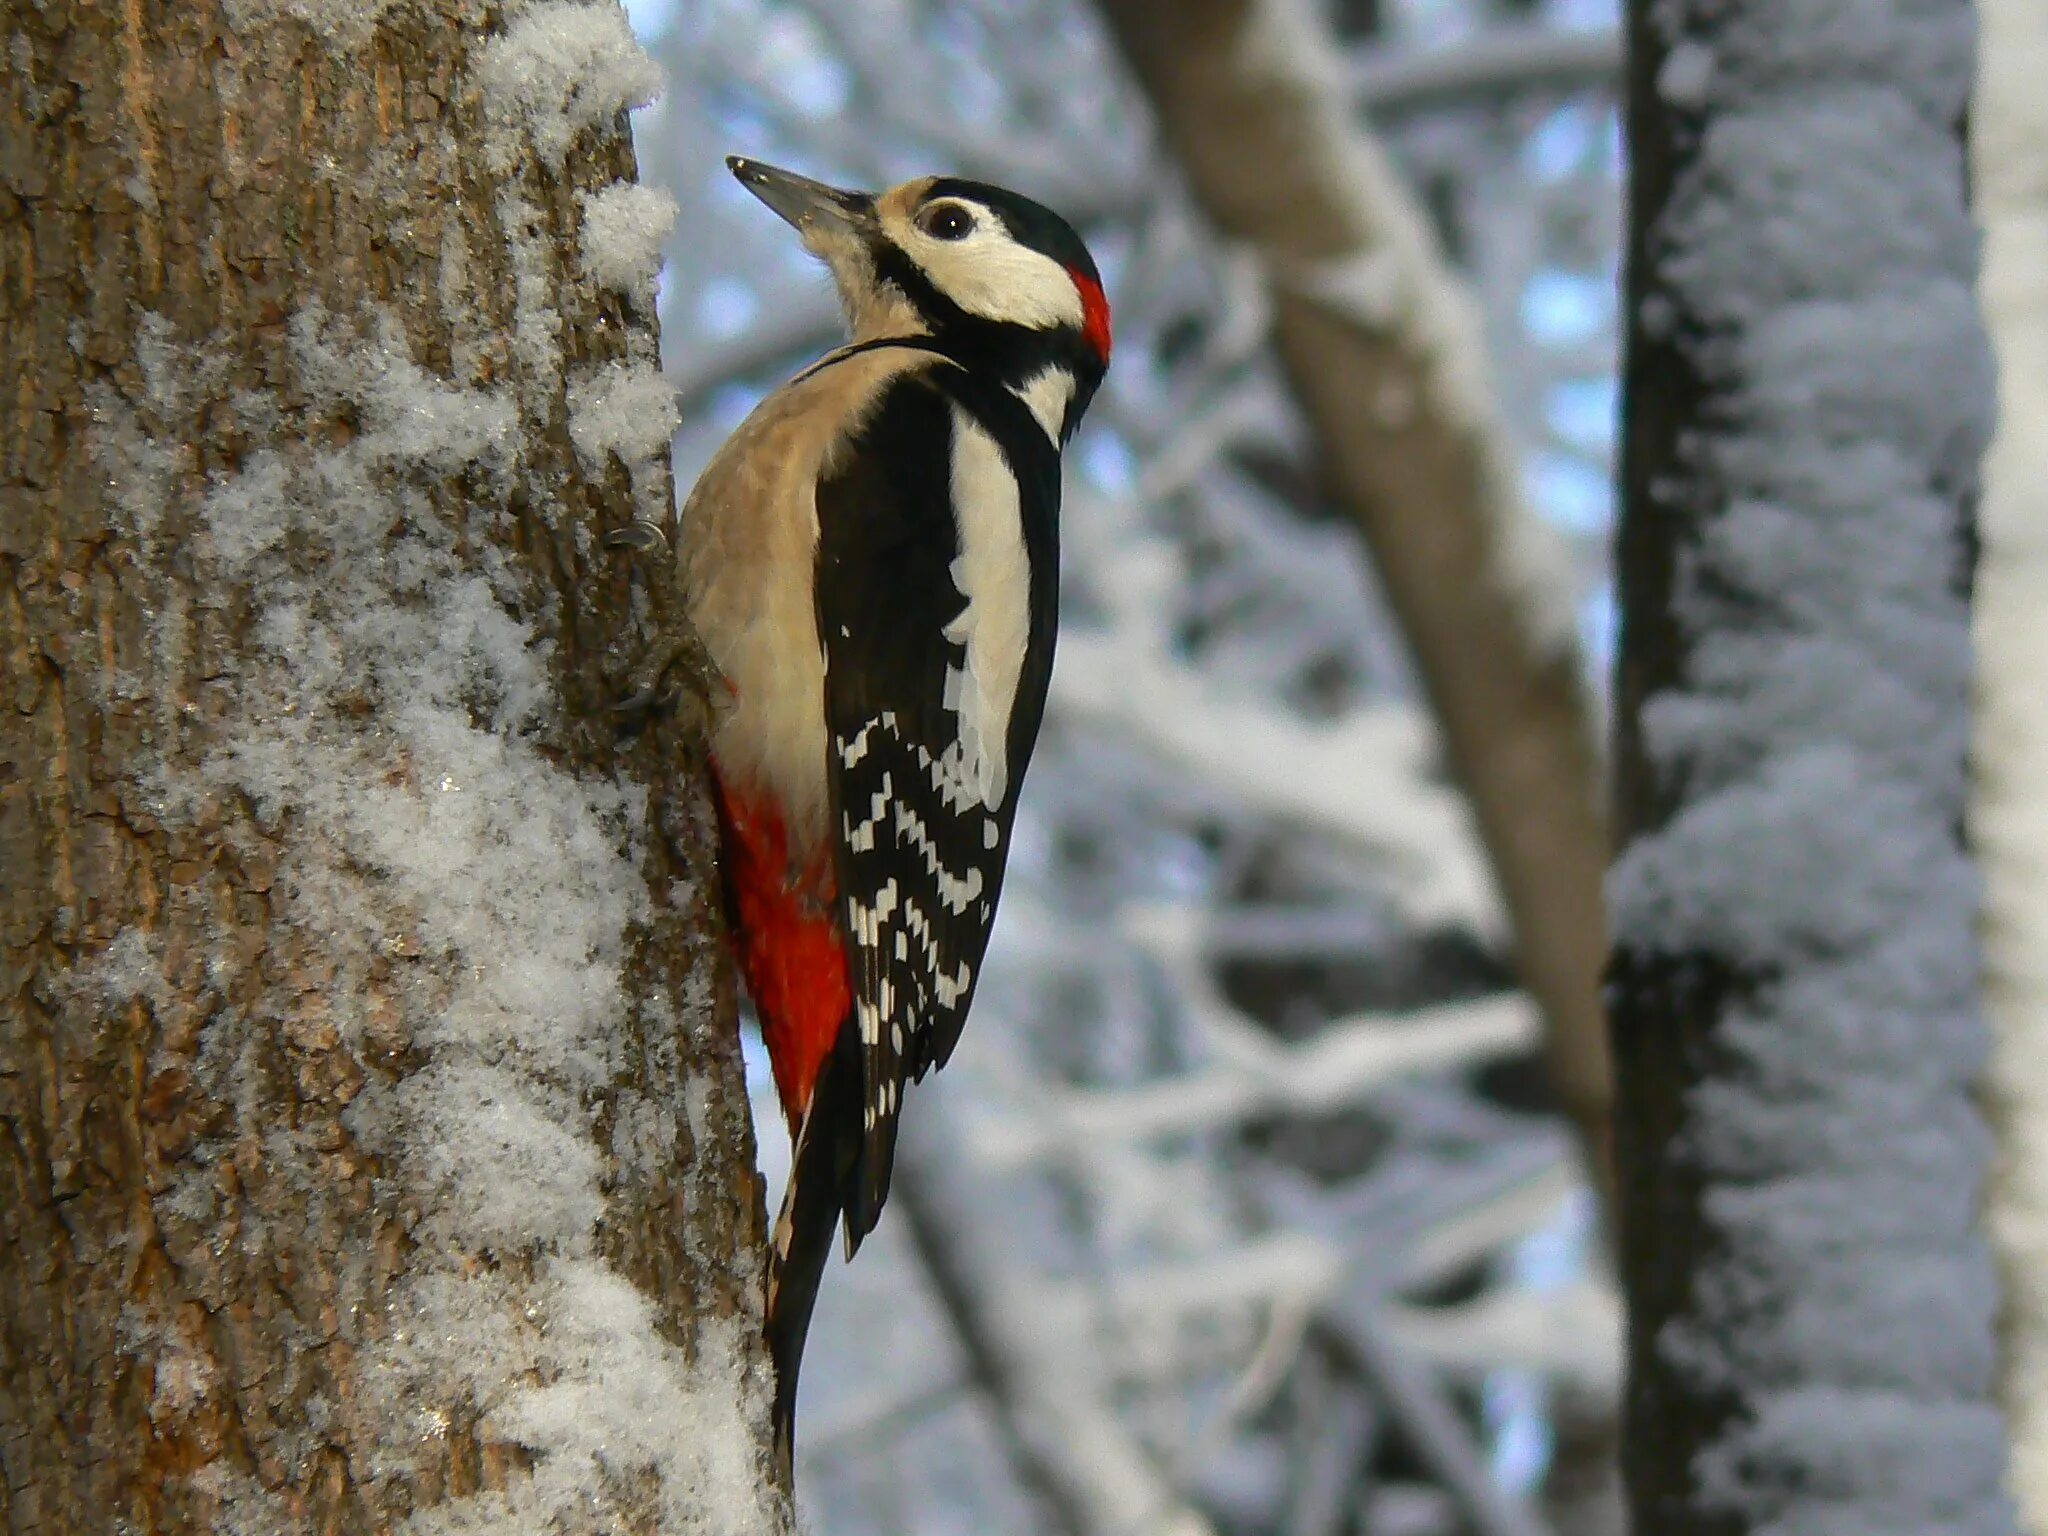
[
  {"x": 559, "y": 69},
  {"x": 623, "y": 229},
  {"x": 390, "y": 718},
  {"x": 2009, "y": 127},
  {"x": 627, "y": 409},
  {"x": 341, "y": 22},
  {"x": 509, "y": 885},
  {"x": 1810, "y": 393}
]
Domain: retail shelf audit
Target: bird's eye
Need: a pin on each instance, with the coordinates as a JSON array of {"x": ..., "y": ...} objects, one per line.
[{"x": 948, "y": 221}]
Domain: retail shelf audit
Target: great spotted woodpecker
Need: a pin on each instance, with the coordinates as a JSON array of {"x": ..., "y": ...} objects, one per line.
[{"x": 871, "y": 563}]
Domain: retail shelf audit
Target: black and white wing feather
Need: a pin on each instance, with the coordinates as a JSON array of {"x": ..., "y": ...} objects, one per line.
[{"x": 937, "y": 570}]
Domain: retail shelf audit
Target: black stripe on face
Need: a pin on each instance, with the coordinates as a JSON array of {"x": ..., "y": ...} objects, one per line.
[{"x": 1010, "y": 353}]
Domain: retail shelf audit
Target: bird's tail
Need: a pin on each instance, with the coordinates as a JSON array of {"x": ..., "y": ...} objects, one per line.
[{"x": 820, "y": 1181}]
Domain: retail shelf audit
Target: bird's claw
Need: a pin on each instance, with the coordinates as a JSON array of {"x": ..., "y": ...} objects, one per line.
[
  {"x": 641, "y": 702},
  {"x": 639, "y": 536},
  {"x": 703, "y": 685}
]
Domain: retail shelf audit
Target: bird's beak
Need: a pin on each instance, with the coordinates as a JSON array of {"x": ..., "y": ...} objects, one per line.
[{"x": 809, "y": 207}]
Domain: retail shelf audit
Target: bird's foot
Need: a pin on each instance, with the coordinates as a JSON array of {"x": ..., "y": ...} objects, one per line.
[
  {"x": 677, "y": 672},
  {"x": 639, "y": 536}
]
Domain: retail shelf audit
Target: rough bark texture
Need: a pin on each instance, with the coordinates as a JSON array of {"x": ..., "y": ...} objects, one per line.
[
  {"x": 2008, "y": 817},
  {"x": 218, "y": 1000},
  {"x": 1797, "y": 1036},
  {"x": 1382, "y": 350}
]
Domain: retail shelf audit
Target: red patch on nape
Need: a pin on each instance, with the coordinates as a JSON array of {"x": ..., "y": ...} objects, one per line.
[
  {"x": 785, "y": 928},
  {"x": 1094, "y": 313}
]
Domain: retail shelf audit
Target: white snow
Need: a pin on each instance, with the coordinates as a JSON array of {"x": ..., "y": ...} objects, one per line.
[
  {"x": 559, "y": 70},
  {"x": 624, "y": 226},
  {"x": 1686, "y": 74},
  {"x": 341, "y": 23},
  {"x": 627, "y": 409},
  {"x": 609, "y": 1398},
  {"x": 242, "y": 1506},
  {"x": 1817, "y": 259},
  {"x": 536, "y": 325}
]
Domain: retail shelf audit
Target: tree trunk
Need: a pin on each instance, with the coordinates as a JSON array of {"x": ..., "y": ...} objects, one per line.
[
  {"x": 1794, "y": 991},
  {"x": 2009, "y": 129},
  {"x": 1383, "y": 351},
  {"x": 376, "y": 1154}
]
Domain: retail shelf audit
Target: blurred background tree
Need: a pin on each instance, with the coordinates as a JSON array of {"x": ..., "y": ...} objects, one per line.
[
  {"x": 1257, "y": 1197},
  {"x": 2009, "y": 134},
  {"x": 1801, "y": 1044}
]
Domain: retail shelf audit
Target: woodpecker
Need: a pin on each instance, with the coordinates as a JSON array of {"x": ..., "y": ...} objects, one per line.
[{"x": 871, "y": 565}]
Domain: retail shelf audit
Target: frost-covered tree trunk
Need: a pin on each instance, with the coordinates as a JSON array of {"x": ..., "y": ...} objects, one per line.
[
  {"x": 1798, "y": 1032},
  {"x": 2009, "y": 132},
  {"x": 376, "y": 1155},
  {"x": 1382, "y": 347}
]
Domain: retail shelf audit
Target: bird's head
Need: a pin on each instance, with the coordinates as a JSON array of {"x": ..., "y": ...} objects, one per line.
[{"x": 1002, "y": 281}]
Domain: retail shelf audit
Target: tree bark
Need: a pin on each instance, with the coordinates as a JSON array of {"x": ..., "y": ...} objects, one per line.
[
  {"x": 376, "y": 1151},
  {"x": 1382, "y": 349},
  {"x": 1794, "y": 993},
  {"x": 2009, "y": 131}
]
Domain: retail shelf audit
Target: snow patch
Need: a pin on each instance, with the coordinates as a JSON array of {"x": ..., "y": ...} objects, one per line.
[
  {"x": 388, "y": 717},
  {"x": 560, "y": 70},
  {"x": 1686, "y": 75},
  {"x": 336, "y": 22},
  {"x": 536, "y": 323},
  {"x": 624, "y": 226},
  {"x": 627, "y": 409},
  {"x": 127, "y": 969},
  {"x": 242, "y": 1506}
]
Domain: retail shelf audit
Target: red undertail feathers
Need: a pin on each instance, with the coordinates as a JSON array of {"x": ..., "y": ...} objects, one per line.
[{"x": 787, "y": 933}]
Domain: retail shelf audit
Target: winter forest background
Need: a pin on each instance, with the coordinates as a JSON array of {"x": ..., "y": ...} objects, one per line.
[
  {"x": 1246, "y": 1196},
  {"x": 1250, "y": 1205},
  {"x": 377, "y": 1152}
]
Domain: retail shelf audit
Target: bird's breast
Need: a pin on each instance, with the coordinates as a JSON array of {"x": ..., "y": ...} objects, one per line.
[{"x": 750, "y": 542}]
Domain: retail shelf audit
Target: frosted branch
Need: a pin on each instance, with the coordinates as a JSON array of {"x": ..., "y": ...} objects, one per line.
[
  {"x": 1365, "y": 778},
  {"x": 1498, "y": 62},
  {"x": 1062, "y": 1436}
]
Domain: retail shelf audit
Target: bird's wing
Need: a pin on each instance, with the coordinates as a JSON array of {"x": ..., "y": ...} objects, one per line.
[{"x": 936, "y": 564}]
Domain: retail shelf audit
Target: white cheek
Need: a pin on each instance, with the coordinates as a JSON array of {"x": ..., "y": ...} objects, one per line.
[
  {"x": 1048, "y": 394},
  {"x": 991, "y": 276}
]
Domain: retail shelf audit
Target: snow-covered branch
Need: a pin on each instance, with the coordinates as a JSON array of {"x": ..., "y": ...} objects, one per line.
[
  {"x": 1062, "y": 1434},
  {"x": 1498, "y": 62},
  {"x": 1382, "y": 347},
  {"x": 1362, "y": 779},
  {"x": 1256, "y": 1077}
]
